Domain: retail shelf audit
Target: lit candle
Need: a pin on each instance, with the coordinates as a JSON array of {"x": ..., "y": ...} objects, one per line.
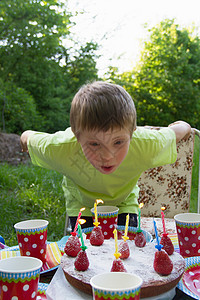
[
  {"x": 139, "y": 217},
  {"x": 77, "y": 222},
  {"x": 96, "y": 223},
  {"x": 83, "y": 247},
  {"x": 163, "y": 220},
  {"x": 125, "y": 237},
  {"x": 158, "y": 246},
  {"x": 116, "y": 254}
]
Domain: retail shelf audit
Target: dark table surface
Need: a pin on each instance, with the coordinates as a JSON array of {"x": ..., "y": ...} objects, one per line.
[{"x": 181, "y": 296}]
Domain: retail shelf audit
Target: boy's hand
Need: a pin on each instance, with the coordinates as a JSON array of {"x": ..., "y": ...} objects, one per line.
[
  {"x": 24, "y": 139},
  {"x": 182, "y": 130}
]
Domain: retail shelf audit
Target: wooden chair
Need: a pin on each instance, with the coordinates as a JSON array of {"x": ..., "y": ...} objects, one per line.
[{"x": 169, "y": 186}]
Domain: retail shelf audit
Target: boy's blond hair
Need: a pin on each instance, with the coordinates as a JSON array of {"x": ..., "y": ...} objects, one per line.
[{"x": 102, "y": 106}]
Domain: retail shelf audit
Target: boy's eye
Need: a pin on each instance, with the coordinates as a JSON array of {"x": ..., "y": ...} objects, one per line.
[
  {"x": 118, "y": 142},
  {"x": 94, "y": 144}
]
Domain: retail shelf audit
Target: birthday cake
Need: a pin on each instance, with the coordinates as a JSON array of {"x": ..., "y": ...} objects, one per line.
[{"x": 140, "y": 262}]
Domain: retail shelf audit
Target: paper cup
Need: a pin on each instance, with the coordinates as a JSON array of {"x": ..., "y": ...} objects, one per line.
[
  {"x": 107, "y": 217},
  {"x": 32, "y": 238},
  {"x": 116, "y": 285},
  {"x": 19, "y": 277},
  {"x": 188, "y": 232}
]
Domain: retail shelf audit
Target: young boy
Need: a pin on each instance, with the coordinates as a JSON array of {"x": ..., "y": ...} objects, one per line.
[{"x": 103, "y": 154}]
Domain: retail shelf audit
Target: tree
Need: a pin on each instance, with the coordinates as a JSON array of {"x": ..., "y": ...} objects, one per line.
[
  {"x": 82, "y": 67},
  {"x": 166, "y": 82},
  {"x": 31, "y": 28},
  {"x": 30, "y": 33},
  {"x": 32, "y": 57}
]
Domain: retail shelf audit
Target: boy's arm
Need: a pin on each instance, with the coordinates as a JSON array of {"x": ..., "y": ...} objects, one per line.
[
  {"x": 181, "y": 129},
  {"x": 24, "y": 139}
]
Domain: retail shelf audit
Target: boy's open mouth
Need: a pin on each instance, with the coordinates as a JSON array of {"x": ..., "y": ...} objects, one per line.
[{"x": 107, "y": 169}]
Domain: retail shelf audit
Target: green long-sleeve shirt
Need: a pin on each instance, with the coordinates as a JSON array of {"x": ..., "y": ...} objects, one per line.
[{"x": 82, "y": 183}]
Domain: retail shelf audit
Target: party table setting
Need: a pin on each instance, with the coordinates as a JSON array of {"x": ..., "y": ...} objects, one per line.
[{"x": 44, "y": 277}]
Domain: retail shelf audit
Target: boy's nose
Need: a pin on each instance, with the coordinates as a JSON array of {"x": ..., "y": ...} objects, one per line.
[{"x": 106, "y": 153}]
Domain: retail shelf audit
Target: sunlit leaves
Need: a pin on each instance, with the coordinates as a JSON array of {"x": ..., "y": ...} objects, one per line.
[{"x": 165, "y": 84}]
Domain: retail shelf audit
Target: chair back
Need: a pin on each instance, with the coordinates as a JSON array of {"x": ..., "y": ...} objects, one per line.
[{"x": 169, "y": 186}]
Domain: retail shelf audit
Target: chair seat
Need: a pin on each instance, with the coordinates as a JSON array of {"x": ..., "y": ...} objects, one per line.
[{"x": 147, "y": 225}]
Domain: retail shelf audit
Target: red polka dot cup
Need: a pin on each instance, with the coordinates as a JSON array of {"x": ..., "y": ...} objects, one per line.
[
  {"x": 32, "y": 238},
  {"x": 107, "y": 217},
  {"x": 116, "y": 285},
  {"x": 19, "y": 277},
  {"x": 188, "y": 232}
]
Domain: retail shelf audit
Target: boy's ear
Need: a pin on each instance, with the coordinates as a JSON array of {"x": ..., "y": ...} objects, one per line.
[
  {"x": 133, "y": 131},
  {"x": 78, "y": 137},
  {"x": 77, "y": 134}
]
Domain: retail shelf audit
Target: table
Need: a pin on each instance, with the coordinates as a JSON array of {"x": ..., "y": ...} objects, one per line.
[
  {"x": 47, "y": 277},
  {"x": 181, "y": 296}
]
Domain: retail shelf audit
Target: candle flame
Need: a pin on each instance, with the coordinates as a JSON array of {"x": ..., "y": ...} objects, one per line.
[
  {"x": 81, "y": 221},
  {"x": 82, "y": 209},
  {"x": 99, "y": 201},
  {"x": 141, "y": 205},
  {"x": 163, "y": 208}
]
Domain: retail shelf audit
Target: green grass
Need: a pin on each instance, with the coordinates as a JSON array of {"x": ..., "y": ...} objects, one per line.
[
  {"x": 28, "y": 192},
  {"x": 195, "y": 170}
]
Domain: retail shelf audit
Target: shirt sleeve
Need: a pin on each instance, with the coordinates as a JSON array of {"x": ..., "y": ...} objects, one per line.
[
  {"x": 168, "y": 148},
  {"x": 155, "y": 147},
  {"x": 50, "y": 150}
]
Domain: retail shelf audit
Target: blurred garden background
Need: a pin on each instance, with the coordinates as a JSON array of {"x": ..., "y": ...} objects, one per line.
[{"x": 39, "y": 75}]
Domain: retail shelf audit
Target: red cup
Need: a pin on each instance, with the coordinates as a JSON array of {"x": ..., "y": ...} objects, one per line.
[
  {"x": 107, "y": 217},
  {"x": 19, "y": 278},
  {"x": 188, "y": 232},
  {"x": 32, "y": 238}
]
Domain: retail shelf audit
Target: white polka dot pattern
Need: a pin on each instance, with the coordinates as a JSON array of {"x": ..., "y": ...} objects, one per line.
[{"x": 189, "y": 239}]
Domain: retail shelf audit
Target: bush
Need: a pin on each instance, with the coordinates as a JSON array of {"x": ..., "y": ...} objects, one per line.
[{"x": 18, "y": 109}]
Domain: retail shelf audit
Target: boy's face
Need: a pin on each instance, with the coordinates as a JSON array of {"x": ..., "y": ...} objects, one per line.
[{"x": 105, "y": 150}]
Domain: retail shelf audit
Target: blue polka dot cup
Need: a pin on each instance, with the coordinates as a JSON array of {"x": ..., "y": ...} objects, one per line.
[
  {"x": 107, "y": 217},
  {"x": 32, "y": 238},
  {"x": 116, "y": 285},
  {"x": 188, "y": 232},
  {"x": 19, "y": 278}
]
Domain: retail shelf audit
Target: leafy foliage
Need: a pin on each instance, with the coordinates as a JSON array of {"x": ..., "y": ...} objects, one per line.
[
  {"x": 165, "y": 85},
  {"x": 18, "y": 108},
  {"x": 33, "y": 58}
]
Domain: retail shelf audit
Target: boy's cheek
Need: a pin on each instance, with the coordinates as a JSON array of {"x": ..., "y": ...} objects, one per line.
[{"x": 90, "y": 155}]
